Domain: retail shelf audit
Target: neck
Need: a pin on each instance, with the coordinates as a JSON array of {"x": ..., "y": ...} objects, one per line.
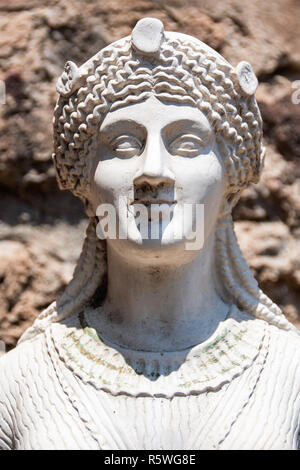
[{"x": 160, "y": 307}]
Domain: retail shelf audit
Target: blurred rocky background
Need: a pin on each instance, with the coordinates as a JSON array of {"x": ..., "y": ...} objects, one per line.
[{"x": 41, "y": 228}]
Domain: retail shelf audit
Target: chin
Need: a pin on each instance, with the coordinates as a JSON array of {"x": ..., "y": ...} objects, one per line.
[{"x": 166, "y": 248}]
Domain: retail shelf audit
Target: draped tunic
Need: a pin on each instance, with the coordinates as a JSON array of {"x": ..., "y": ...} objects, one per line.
[{"x": 69, "y": 389}]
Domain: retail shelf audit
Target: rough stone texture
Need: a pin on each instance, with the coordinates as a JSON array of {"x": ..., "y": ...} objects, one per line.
[
  {"x": 35, "y": 264},
  {"x": 37, "y": 221}
]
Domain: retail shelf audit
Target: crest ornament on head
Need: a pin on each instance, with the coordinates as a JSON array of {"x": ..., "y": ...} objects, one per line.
[
  {"x": 247, "y": 78},
  {"x": 69, "y": 81},
  {"x": 147, "y": 36}
]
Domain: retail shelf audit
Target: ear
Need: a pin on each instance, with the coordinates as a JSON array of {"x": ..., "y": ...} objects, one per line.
[
  {"x": 246, "y": 78},
  {"x": 69, "y": 81}
]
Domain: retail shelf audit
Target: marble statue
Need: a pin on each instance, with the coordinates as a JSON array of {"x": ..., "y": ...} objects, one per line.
[{"x": 156, "y": 343}]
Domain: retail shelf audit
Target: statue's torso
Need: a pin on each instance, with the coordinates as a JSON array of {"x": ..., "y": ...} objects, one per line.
[{"x": 48, "y": 404}]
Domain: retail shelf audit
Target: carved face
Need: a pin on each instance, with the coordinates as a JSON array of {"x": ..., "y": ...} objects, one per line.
[{"x": 163, "y": 157}]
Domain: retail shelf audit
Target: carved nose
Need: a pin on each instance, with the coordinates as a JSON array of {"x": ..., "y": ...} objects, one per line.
[{"x": 155, "y": 162}]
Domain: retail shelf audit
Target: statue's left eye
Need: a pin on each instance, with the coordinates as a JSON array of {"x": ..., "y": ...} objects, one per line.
[
  {"x": 186, "y": 145},
  {"x": 126, "y": 146}
]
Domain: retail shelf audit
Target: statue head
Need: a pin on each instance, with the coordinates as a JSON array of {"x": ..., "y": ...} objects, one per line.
[
  {"x": 169, "y": 96},
  {"x": 157, "y": 83},
  {"x": 175, "y": 69}
]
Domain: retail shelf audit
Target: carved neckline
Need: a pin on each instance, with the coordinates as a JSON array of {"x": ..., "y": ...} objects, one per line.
[
  {"x": 87, "y": 322},
  {"x": 231, "y": 349}
]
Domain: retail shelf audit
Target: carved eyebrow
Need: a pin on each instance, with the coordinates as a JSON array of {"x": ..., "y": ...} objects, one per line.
[
  {"x": 200, "y": 127},
  {"x": 122, "y": 125}
]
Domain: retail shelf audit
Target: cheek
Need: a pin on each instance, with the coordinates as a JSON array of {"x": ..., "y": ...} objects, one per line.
[
  {"x": 111, "y": 179},
  {"x": 201, "y": 180}
]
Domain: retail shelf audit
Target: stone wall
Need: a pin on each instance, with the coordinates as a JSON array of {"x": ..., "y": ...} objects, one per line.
[{"x": 41, "y": 229}]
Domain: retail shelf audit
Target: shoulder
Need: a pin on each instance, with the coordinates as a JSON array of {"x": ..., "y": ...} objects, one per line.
[
  {"x": 283, "y": 360},
  {"x": 282, "y": 344},
  {"x": 21, "y": 350},
  {"x": 19, "y": 366},
  {"x": 20, "y": 376},
  {"x": 289, "y": 341},
  {"x": 31, "y": 356},
  {"x": 281, "y": 378},
  {"x": 281, "y": 349}
]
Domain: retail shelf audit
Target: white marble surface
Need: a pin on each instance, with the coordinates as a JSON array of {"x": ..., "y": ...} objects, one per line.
[{"x": 154, "y": 345}]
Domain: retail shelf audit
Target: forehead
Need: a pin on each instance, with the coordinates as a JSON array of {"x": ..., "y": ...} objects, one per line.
[{"x": 154, "y": 114}]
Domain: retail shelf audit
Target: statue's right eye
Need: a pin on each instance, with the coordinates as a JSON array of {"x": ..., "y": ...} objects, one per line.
[{"x": 126, "y": 146}]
